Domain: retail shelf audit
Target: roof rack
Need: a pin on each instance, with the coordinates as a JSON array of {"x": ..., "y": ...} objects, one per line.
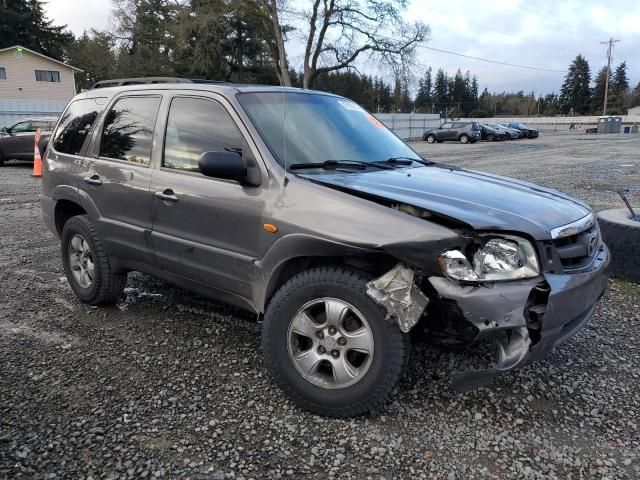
[{"x": 119, "y": 82}]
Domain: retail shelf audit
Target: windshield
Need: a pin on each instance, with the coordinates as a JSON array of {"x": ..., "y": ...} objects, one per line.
[{"x": 304, "y": 128}]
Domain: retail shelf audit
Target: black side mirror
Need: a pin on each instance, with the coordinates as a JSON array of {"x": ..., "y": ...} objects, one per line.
[{"x": 227, "y": 165}]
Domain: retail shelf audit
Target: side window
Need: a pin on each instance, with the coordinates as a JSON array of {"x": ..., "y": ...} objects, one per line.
[
  {"x": 3, "y": 73},
  {"x": 195, "y": 126},
  {"x": 75, "y": 124},
  {"x": 128, "y": 129},
  {"x": 21, "y": 127},
  {"x": 446, "y": 125},
  {"x": 42, "y": 125},
  {"x": 47, "y": 76}
]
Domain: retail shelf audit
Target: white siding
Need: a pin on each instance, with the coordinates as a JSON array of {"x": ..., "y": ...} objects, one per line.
[{"x": 21, "y": 78}]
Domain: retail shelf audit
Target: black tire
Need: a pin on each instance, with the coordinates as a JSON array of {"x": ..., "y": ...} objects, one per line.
[
  {"x": 431, "y": 138},
  {"x": 464, "y": 138},
  {"x": 392, "y": 346},
  {"x": 106, "y": 286},
  {"x": 491, "y": 138},
  {"x": 1, "y": 160},
  {"x": 622, "y": 236}
]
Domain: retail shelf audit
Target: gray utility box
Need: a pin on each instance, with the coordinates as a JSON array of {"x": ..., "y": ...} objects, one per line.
[{"x": 609, "y": 124}]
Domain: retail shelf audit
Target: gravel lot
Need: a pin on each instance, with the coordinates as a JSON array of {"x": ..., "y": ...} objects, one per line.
[{"x": 167, "y": 384}]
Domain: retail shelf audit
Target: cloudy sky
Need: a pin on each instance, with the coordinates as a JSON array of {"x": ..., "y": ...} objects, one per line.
[{"x": 545, "y": 34}]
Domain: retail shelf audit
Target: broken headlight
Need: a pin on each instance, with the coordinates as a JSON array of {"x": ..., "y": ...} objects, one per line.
[{"x": 495, "y": 258}]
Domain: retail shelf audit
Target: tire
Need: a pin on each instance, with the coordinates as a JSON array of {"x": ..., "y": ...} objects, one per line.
[
  {"x": 313, "y": 289},
  {"x": 431, "y": 138},
  {"x": 491, "y": 138},
  {"x": 99, "y": 285},
  {"x": 464, "y": 139},
  {"x": 1, "y": 160},
  {"x": 622, "y": 236}
]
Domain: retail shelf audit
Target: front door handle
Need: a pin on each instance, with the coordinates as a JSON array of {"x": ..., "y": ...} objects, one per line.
[
  {"x": 167, "y": 195},
  {"x": 93, "y": 180}
]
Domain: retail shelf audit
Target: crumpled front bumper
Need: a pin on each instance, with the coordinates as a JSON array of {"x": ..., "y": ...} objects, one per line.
[{"x": 502, "y": 312}]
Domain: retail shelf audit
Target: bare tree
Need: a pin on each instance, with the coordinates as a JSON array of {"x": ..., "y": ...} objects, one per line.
[
  {"x": 275, "y": 36},
  {"x": 339, "y": 32}
]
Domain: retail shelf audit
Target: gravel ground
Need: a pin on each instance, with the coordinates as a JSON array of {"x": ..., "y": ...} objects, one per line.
[{"x": 167, "y": 384}]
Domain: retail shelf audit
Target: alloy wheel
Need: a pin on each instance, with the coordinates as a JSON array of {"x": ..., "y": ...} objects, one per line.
[
  {"x": 330, "y": 343},
  {"x": 81, "y": 261}
]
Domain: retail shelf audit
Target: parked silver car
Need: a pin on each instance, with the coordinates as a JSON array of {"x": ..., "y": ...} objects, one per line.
[
  {"x": 512, "y": 133},
  {"x": 17, "y": 140}
]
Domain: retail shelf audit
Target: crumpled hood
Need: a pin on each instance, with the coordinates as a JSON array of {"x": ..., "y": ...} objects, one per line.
[{"x": 481, "y": 200}]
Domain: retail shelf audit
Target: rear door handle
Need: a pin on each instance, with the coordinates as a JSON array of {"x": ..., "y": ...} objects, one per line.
[
  {"x": 167, "y": 195},
  {"x": 93, "y": 180}
]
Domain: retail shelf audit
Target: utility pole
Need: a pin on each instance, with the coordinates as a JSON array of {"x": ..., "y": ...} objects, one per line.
[{"x": 610, "y": 42}]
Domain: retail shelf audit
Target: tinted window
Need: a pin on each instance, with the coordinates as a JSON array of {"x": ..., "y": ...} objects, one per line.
[
  {"x": 21, "y": 127},
  {"x": 39, "y": 124},
  {"x": 75, "y": 124},
  {"x": 128, "y": 129},
  {"x": 196, "y": 126}
]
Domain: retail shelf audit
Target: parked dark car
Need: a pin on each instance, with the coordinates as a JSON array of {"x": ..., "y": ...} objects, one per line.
[
  {"x": 463, "y": 132},
  {"x": 491, "y": 134},
  {"x": 527, "y": 132},
  {"x": 512, "y": 133},
  {"x": 304, "y": 209},
  {"x": 17, "y": 140}
]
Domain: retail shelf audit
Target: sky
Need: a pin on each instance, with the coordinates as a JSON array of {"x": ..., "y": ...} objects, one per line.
[{"x": 545, "y": 34}]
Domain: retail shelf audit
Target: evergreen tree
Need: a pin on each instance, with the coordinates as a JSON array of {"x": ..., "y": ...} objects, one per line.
[
  {"x": 575, "y": 94},
  {"x": 597, "y": 98},
  {"x": 96, "y": 54},
  {"x": 423, "y": 98},
  {"x": 440, "y": 90},
  {"x": 619, "y": 92},
  {"x": 23, "y": 22}
]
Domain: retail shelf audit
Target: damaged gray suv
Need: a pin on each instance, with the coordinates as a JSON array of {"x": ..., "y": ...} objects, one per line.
[{"x": 303, "y": 208}]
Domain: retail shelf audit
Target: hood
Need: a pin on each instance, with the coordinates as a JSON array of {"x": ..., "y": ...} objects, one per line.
[{"x": 481, "y": 200}]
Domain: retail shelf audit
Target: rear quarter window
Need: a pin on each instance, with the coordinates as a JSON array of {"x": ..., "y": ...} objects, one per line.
[{"x": 76, "y": 123}]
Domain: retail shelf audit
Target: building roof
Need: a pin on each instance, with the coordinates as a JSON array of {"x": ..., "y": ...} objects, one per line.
[{"x": 15, "y": 47}]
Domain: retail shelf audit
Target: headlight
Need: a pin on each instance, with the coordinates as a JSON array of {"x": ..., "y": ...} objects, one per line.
[{"x": 495, "y": 258}]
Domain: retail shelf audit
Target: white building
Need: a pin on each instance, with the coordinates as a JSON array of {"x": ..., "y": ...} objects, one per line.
[{"x": 33, "y": 85}]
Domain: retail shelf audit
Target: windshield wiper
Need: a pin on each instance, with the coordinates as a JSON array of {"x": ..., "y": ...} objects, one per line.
[
  {"x": 403, "y": 161},
  {"x": 333, "y": 164}
]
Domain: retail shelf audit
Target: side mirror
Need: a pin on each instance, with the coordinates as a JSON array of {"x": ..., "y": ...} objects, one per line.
[
  {"x": 227, "y": 165},
  {"x": 5, "y": 130}
]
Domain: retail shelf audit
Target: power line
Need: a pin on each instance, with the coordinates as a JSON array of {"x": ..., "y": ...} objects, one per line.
[
  {"x": 491, "y": 61},
  {"x": 528, "y": 40},
  {"x": 576, "y": 25}
]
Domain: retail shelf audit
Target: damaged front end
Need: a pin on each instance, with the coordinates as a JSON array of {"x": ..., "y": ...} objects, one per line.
[{"x": 525, "y": 319}]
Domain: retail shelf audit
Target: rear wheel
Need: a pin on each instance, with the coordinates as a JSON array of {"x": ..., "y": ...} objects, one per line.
[
  {"x": 86, "y": 264},
  {"x": 464, "y": 139},
  {"x": 329, "y": 346},
  {"x": 431, "y": 138}
]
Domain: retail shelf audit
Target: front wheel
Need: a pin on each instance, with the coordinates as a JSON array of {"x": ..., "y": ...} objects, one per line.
[
  {"x": 329, "y": 346},
  {"x": 464, "y": 139},
  {"x": 491, "y": 138},
  {"x": 431, "y": 138}
]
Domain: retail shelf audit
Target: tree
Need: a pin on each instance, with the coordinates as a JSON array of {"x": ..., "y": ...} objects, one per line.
[
  {"x": 146, "y": 31},
  {"x": 423, "y": 98},
  {"x": 620, "y": 95},
  {"x": 575, "y": 94},
  {"x": 22, "y": 22},
  {"x": 95, "y": 52},
  {"x": 340, "y": 32},
  {"x": 597, "y": 97},
  {"x": 441, "y": 90}
]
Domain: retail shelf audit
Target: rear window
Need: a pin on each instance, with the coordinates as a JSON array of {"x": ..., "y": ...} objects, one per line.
[
  {"x": 76, "y": 123},
  {"x": 475, "y": 126}
]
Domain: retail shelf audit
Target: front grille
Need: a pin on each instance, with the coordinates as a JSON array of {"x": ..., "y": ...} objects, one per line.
[{"x": 577, "y": 251}]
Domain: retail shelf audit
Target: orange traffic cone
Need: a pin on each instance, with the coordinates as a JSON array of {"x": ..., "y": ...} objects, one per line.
[{"x": 37, "y": 159}]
